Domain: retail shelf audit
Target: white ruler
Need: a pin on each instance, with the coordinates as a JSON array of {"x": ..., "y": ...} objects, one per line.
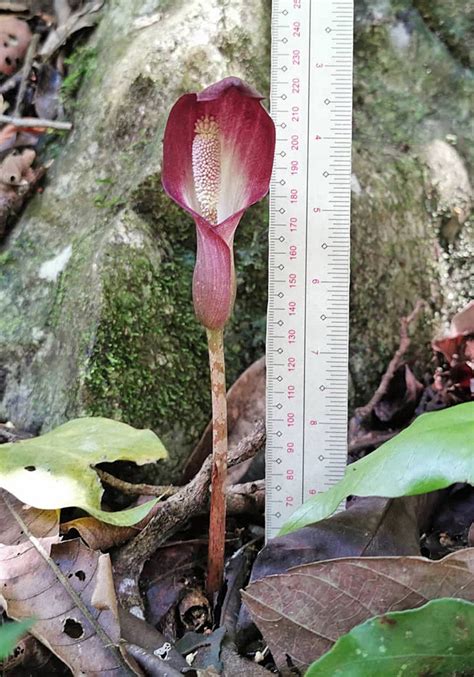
[{"x": 308, "y": 311}]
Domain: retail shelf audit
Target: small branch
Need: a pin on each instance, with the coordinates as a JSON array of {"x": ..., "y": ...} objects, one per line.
[
  {"x": 169, "y": 516},
  {"x": 362, "y": 414},
  {"x": 216, "y": 551},
  {"x": 25, "y": 73},
  {"x": 248, "y": 498},
  {"x": 35, "y": 122},
  {"x": 136, "y": 489}
]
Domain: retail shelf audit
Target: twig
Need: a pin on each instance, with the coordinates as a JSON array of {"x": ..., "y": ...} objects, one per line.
[
  {"x": 248, "y": 498},
  {"x": 216, "y": 551},
  {"x": 136, "y": 489},
  {"x": 168, "y": 517},
  {"x": 362, "y": 414},
  {"x": 25, "y": 73},
  {"x": 35, "y": 122}
]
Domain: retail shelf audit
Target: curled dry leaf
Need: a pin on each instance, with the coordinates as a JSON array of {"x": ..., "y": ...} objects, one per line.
[
  {"x": 398, "y": 404},
  {"x": 57, "y": 591},
  {"x": 462, "y": 325},
  {"x": 85, "y": 17},
  {"x": 15, "y": 36},
  {"x": 303, "y": 612}
]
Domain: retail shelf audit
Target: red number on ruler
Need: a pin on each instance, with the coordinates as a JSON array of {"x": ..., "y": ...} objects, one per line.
[
  {"x": 291, "y": 307},
  {"x": 290, "y": 448},
  {"x": 291, "y": 364},
  {"x": 296, "y": 29},
  {"x": 291, "y": 392},
  {"x": 290, "y": 419},
  {"x": 292, "y": 280},
  {"x": 293, "y": 223}
]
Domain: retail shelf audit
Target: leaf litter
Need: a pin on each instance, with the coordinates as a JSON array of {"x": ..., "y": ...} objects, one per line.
[{"x": 46, "y": 555}]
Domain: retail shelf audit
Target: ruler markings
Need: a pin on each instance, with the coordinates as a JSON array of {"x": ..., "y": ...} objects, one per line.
[{"x": 309, "y": 274}]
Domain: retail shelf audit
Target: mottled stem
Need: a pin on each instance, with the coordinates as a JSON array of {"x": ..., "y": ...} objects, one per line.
[{"x": 215, "y": 565}]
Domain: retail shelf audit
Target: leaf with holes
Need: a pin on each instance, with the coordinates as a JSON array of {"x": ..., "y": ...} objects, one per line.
[
  {"x": 65, "y": 587},
  {"x": 436, "y": 450},
  {"x": 435, "y": 639},
  {"x": 55, "y": 470},
  {"x": 303, "y": 612}
]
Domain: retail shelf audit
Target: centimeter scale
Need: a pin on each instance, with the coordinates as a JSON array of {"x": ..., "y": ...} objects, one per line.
[{"x": 308, "y": 311}]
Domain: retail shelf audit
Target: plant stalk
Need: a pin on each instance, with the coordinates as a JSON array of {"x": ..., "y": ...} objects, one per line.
[{"x": 215, "y": 562}]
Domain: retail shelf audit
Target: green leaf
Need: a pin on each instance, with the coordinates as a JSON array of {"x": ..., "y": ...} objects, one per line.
[
  {"x": 55, "y": 470},
  {"x": 10, "y": 633},
  {"x": 434, "y": 452},
  {"x": 435, "y": 639}
]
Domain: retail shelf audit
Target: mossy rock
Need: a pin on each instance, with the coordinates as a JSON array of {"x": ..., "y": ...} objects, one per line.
[{"x": 95, "y": 283}]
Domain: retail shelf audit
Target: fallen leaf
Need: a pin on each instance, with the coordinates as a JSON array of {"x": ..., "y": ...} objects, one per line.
[
  {"x": 207, "y": 648},
  {"x": 435, "y": 639},
  {"x": 55, "y": 470},
  {"x": 168, "y": 574},
  {"x": 434, "y": 452},
  {"x": 54, "y": 583},
  {"x": 303, "y": 612},
  {"x": 462, "y": 325},
  {"x": 397, "y": 406},
  {"x": 15, "y": 36},
  {"x": 47, "y": 99},
  {"x": 85, "y": 17},
  {"x": 369, "y": 527},
  {"x": 99, "y": 535},
  {"x": 40, "y": 523}
]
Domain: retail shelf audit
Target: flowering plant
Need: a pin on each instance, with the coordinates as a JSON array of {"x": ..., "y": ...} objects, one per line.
[{"x": 217, "y": 161}]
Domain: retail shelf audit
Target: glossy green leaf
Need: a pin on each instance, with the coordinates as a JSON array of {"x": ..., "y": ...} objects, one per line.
[
  {"x": 435, "y": 639},
  {"x": 435, "y": 451},
  {"x": 56, "y": 470},
  {"x": 10, "y": 633}
]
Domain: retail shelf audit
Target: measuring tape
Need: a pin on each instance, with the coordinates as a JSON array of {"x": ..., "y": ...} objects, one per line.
[{"x": 308, "y": 305}]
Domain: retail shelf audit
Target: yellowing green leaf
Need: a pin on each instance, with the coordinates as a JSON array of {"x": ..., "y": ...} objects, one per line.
[{"x": 56, "y": 470}]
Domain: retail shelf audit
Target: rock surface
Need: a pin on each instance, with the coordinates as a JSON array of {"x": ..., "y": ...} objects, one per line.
[{"x": 95, "y": 304}]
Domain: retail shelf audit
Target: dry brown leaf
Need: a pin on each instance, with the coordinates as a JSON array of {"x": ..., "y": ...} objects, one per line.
[
  {"x": 85, "y": 17},
  {"x": 99, "y": 535},
  {"x": 303, "y": 612},
  {"x": 57, "y": 591},
  {"x": 40, "y": 523},
  {"x": 461, "y": 326}
]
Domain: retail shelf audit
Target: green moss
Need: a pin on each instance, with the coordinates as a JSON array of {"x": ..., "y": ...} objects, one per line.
[
  {"x": 148, "y": 330},
  {"x": 402, "y": 94},
  {"x": 81, "y": 64},
  {"x": 149, "y": 362}
]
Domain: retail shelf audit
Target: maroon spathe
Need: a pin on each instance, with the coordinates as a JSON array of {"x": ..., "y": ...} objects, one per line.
[{"x": 246, "y": 137}]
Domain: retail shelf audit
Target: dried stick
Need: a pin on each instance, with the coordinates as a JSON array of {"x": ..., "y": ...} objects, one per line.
[
  {"x": 135, "y": 489},
  {"x": 25, "y": 73},
  {"x": 168, "y": 518},
  {"x": 215, "y": 558},
  {"x": 362, "y": 414},
  {"x": 35, "y": 122}
]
